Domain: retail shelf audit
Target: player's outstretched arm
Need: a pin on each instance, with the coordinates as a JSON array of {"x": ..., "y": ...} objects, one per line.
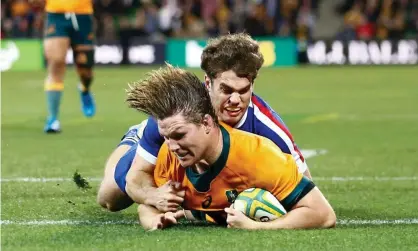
[
  {"x": 151, "y": 219},
  {"x": 312, "y": 211}
]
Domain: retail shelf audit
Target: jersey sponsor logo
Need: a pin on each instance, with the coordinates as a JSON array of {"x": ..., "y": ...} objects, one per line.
[
  {"x": 207, "y": 201},
  {"x": 231, "y": 195},
  {"x": 50, "y": 30},
  {"x": 90, "y": 36}
]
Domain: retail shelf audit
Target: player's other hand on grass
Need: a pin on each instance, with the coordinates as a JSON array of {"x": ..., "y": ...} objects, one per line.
[
  {"x": 236, "y": 219},
  {"x": 169, "y": 196},
  {"x": 164, "y": 220}
]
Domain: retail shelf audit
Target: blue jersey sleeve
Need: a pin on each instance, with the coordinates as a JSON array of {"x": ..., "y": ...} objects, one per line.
[
  {"x": 150, "y": 142},
  {"x": 270, "y": 125}
]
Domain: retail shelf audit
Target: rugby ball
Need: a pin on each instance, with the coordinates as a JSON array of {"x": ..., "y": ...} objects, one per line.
[{"x": 259, "y": 205}]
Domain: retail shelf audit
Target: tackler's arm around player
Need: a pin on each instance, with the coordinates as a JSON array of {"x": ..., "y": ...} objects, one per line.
[
  {"x": 141, "y": 187},
  {"x": 140, "y": 184}
]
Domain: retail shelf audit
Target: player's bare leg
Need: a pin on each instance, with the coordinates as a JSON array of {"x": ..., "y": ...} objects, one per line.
[
  {"x": 55, "y": 52},
  {"x": 84, "y": 60},
  {"x": 110, "y": 196}
]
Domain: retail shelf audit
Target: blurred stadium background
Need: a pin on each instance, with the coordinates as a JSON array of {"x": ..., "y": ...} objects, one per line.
[
  {"x": 148, "y": 32},
  {"x": 357, "y": 125}
]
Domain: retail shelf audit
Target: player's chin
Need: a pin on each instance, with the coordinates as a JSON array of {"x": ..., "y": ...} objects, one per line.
[
  {"x": 230, "y": 120},
  {"x": 186, "y": 162}
]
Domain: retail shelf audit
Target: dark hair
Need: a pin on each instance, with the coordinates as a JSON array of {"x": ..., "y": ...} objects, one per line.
[{"x": 237, "y": 52}]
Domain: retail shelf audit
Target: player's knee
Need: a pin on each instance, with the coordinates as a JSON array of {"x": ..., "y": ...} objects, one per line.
[
  {"x": 55, "y": 50},
  {"x": 105, "y": 201},
  {"x": 84, "y": 59},
  {"x": 56, "y": 63},
  {"x": 56, "y": 70},
  {"x": 101, "y": 200},
  {"x": 111, "y": 197},
  {"x": 331, "y": 220},
  {"x": 328, "y": 217},
  {"x": 104, "y": 196}
]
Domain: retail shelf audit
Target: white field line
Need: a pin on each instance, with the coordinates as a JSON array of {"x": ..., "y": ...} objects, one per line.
[
  {"x": 378, "y": 222},
  {"x": 66, "y": 222},
  {"x": 334, "y": 179},
  {"x": 41, "y": 180},
  {"x": 346, "y": 222},
  {"x": 361, "y": 178}
]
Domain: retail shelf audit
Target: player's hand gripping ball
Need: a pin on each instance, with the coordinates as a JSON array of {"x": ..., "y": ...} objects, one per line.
[{"x": 259, "y": 205}]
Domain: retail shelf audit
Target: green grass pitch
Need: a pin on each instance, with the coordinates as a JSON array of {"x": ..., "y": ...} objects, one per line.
[{"x": 365, "y": 118}]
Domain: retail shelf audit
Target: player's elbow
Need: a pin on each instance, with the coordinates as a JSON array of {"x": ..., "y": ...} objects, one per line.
[
  {"x": 141, "y": 210},
  {"x": 141, "y": 216}
]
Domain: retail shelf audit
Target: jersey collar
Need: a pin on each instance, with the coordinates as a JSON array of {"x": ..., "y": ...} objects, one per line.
[
  {"x": 242, "y": 120},
  {"x": 202, "y": 181}
]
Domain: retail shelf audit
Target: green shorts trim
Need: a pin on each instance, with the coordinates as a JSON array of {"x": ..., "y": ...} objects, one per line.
[{"x": 77, "y": 27}]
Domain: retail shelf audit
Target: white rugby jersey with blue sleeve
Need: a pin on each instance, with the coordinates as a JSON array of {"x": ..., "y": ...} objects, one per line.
[{"x": 259, "y": 119}]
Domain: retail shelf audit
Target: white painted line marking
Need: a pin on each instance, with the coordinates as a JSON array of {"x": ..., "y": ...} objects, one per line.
[
  {"x": 412, "y": 221},
  {"x": 34, "y": 179},
  {"x": 309, "y": 153},
  {"x": 66, "y": 222},
  {"x": 378, "y": 222}
]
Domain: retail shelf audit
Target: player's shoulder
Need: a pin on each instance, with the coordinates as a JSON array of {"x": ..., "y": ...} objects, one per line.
[
  {"x": 249, "y": 151},
  {"x": 246, "y": 145},
  {"x": 151, "y": 127},
  {"x": 166, "y": 156},
  {"x": 258, "y": 103},
  {"x": 263, "y": 112},
  {"x": 268, "y": 122}
]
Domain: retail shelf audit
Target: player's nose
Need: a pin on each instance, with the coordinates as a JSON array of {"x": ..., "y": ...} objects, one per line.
[
  {"x": 172, "y": 145},
  {"x": 235, "y": 98}
]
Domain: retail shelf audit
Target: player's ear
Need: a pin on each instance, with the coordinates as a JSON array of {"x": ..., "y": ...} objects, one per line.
[
  {"x": 207, "y": 82},
  {"x": 207, "y": 123}
]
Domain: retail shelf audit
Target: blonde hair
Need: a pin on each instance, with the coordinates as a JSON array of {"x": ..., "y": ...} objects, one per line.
[{"x": 169, "y": 91}]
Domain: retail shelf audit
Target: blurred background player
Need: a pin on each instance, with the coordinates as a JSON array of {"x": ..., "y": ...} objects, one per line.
[{"x": 68, "y": 24}]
